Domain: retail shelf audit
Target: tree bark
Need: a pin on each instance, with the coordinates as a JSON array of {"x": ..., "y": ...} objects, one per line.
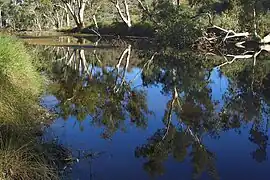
[
  {"x": 76, "y": 9},
  {"x": 126, "y": 19},
  {"x": 1, "y": 22},
  {"x": 67, "y": 19},
  {"x": 57, "y": 20},
  {"x": 81, "y": 12}
]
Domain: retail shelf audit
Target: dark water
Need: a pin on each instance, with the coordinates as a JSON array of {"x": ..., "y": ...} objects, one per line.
[{"x": 134, "y": 126}]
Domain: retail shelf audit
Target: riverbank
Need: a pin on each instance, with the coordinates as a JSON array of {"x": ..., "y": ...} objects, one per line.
[
  {"x": 23, "y": 154},
  {"x": 116, "y": 29}
]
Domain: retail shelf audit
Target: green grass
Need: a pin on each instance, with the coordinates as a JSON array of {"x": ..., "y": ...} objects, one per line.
[
  {"x": 23, "y": 156},
  {"x": 20, "y": 83},
  {"x": 16, "y": 64}
]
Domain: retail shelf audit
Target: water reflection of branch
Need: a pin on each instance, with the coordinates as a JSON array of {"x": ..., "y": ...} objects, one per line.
[
  {"x": 148, "y": 63},
  {"x": 194, "y": 136},
  {"x": 169, "y": 117},
  {"x": 83, "y": 64},
  {"x": 71, "y": 58},
  {"x": 126, "y": 67},
  {"x": 127, "y": 52},
  {"x": 76, "y": 60},
  {"x": 235, "y": 57},
  {"x": 95, "y": 51},
  {"x": 245, "y": 55},
  {"x": 63, "y": 58}
]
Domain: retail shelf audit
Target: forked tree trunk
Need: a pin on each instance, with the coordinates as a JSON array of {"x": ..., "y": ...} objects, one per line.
[
  {"x": 126, "y": 18},
  {"x": 76, "y": 9}
]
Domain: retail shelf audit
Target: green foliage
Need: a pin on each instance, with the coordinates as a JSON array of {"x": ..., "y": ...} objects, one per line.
[
  {"x": 176, "y": 26},
  {"x": 240, "y": 16},
  {"x": 229, "y": 20},
  {"x": 263, "y": 24}
]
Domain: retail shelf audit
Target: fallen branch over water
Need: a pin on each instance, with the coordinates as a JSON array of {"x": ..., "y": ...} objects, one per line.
[{"x": 249, "y": 47}]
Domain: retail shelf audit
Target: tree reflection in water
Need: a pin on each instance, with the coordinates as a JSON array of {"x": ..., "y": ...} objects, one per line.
[
  {"x": 101, "y": 93},
  {"x": 96, "y": 87}
]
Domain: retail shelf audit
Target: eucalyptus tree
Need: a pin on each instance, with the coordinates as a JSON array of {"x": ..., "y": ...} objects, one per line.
[
  {"x": 78, "y": 9},
  {"x": 126, "y": 15},
  {"x": 20, "y": 15},
  {"x": 53, "y": 13}
]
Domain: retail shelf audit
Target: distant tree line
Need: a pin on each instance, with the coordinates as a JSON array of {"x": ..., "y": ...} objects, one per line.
[{"x": 58, "y": 14}]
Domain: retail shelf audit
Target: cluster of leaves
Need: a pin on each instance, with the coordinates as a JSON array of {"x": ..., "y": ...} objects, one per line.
[{"x": 176, "y": 27}]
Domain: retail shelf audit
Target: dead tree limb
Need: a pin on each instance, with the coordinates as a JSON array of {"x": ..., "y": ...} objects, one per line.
[{"x": 235, "y": 57}]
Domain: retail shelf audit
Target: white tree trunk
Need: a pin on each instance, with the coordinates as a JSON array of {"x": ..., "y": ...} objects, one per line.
[
  {"x": 126, "y": 19},
  {"x": 67, "y": 19},
  {"x": 1, "y": 22},
  {"x": 76, "y": 9},
  {"x": 57, "y": 20},
  {"x": 38, "y": 24},
  {"x": 81, "y": 12}
]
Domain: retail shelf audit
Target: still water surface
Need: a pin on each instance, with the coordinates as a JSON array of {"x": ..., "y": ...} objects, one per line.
[{"x": 166, "y": 121}]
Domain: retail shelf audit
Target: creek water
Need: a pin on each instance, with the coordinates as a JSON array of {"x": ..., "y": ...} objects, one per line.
[{"x": 127, "y": 123}]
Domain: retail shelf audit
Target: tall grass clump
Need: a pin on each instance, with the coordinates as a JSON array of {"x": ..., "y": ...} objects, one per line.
[
  {"x": 16, "y": 65},
  {"x": 22, "y": 155}
]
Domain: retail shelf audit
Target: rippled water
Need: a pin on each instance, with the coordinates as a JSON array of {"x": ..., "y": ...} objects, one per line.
[{"x": 216, "y": 128}]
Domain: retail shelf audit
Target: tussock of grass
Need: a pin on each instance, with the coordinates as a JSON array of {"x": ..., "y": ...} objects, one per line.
[
  {"x": 23, "y": 162},
  {"x": 22, "y": 154},
  {"x": 16, "y": 65}
]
